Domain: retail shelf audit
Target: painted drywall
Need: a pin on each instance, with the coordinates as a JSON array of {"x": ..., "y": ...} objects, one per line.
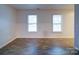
[
  {"x": 7, "y": 16},
  {"x": 76, "y": 27},
  {"x": 44, "y": 21}
]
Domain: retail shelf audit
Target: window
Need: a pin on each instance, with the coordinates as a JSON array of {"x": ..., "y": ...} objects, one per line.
[
  {"x": 57, "y": 23},
  {"x": 32, "y": 23}
]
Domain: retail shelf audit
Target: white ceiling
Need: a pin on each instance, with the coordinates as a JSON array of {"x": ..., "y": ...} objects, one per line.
[{"x": 42, "y": 6}]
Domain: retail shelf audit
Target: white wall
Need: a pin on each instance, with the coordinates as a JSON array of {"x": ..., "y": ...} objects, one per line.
[
  {"x": 7, "y": 16},
  {"x": 45, "y": 24}
]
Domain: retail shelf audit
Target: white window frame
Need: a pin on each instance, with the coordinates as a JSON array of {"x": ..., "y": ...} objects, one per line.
[
  {"x": 32, "y": 23},
  {"x": 57, "y": 23}
]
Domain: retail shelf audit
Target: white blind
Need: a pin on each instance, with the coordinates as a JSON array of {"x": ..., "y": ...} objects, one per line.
[
  {"x": 57, "y": 23},
  {"x": 32, "y": 23}
]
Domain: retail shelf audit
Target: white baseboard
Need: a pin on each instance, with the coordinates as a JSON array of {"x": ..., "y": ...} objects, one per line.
[
  {"x": 7, "y": 42},
  {"x": 77, "y": 48}
]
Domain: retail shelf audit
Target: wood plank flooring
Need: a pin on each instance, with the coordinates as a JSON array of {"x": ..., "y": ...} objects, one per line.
[{"x": 38, "y": 46}]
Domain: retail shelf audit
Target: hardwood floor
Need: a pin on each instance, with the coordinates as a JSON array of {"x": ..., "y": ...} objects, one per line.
[{"x": 38, "y": 46}]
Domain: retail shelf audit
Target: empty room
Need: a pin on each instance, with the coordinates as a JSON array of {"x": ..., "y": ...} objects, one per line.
[{"x": 37, "y": 29}]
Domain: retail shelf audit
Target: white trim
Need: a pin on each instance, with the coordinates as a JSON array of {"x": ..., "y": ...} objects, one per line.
[
  {"x": 7, "y": 42},
  {"x": 77, "y": 48}
]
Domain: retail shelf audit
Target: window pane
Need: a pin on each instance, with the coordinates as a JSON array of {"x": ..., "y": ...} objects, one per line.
[
  {"x": 32, "y": 23},
  {"x": 57, "y": 18},
  {"x": 32, "y": 27},
  {"x": 57, "y": 22},
  {"x": 57, "y": 28},
  {"x": 32, "y": 18}
]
